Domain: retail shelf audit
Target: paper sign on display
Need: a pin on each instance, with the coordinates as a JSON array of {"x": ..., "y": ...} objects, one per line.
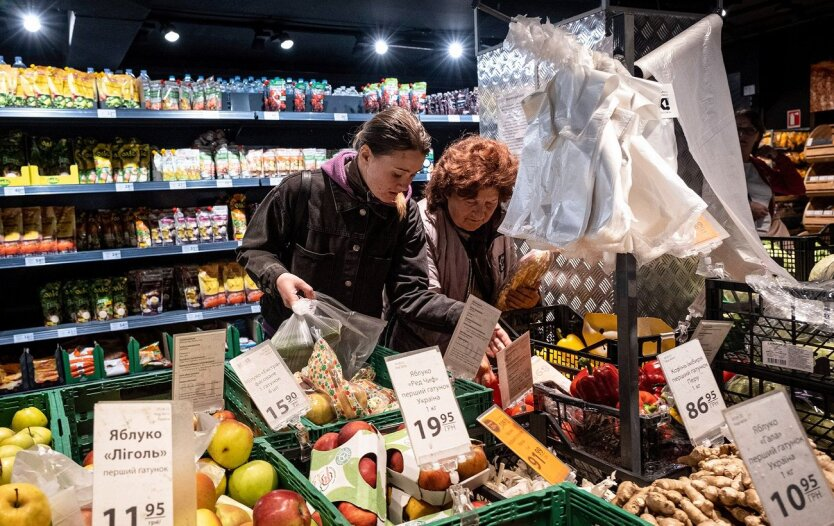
[
  {"x": 427, "y": 401},
  {"x": 712, "y": 334},
  {"x": 471, "y": 337},
  {"x": 697, "y": 396},
  {"x": 144, "y": 463},
  {"x": 512, "y": 123},
  {"x": 785, "y": 471},
  {"x": 515, "y": 370},
  {"x": 523, "y": 444},
  {"x": 271, "y": 385},
  {"x": 198, "y": 369}
]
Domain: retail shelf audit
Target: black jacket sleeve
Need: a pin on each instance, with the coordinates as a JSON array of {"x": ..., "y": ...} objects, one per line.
[
  {"x": 267, "y": 235},
  {"x": 408, "y": 282}
]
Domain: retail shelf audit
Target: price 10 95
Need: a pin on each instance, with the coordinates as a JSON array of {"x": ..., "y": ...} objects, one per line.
[
  {"x": 702, "y": 405},
  {"x": 283, "y": 405},
  {"x": 796, "y": 495},
  {"x": 152, "y": 511},
  {"x": 434, "y": 424}
]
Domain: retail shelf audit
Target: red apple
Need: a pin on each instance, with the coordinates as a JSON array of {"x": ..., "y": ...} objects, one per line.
[
  {"x": 395, "y": 460},
  {"x": 281, "y": 507},
  {"x": 351, "y": 428},
  {"x": 434, "y": 479},
  {"x": 479, "y": 503},
  {"x": 224, "y": 415},
  {"x": 475, "y": 462},
  {"x": 356, "y": 516},
  {"x": 317, "y": 518},
  {"x": 326, "y": 442},
  {"x": 367, "y": 468},
  {"x": 88, "y": 460}
]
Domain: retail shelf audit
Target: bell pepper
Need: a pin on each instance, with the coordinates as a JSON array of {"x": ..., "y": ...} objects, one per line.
[
  {"x": 648, "y": 402},
  {"x": 571, "y": 341},
  {"x": 598, "y": 385},
  {"x": 651, "y": 378}
]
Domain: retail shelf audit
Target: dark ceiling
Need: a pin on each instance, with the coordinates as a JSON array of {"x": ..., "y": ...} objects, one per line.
[{"x": 333, "y": 39}]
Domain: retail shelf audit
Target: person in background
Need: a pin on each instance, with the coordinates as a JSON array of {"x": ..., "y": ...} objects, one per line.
[
  {"x": 463, "y": 209},
  {"x": 351, "y": 231},
  {"x": 768, "y": 172}
]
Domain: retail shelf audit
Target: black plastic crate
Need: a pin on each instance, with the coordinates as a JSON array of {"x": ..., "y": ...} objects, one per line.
[{"x": 798, "y": 254}]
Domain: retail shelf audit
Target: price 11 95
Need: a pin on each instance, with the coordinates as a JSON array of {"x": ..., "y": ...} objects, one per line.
[
  {"x": 796, "y": 495},
  {"x": 282, "y": 405},
  {"x": 152, "y": 511},
  {"x": 702, "y": 406},
  {"x": 435, "y": 424}
]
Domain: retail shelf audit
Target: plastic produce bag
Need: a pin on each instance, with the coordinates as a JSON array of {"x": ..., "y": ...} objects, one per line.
[{"x": 353, "y": 336}]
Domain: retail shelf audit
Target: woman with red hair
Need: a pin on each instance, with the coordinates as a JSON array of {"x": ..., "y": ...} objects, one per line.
[{"x": 461, "y": 213}]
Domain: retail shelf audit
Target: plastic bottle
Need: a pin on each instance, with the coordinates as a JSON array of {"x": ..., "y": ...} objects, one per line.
[
  {"x": 144, "y": 85},
  {"x": 2, "y": 62},
  {"x": 18, "y": 63}
]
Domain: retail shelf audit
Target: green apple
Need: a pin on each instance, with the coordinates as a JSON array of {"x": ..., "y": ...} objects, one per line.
[
  {"x": 6, "y": 465},
  {"x": 252, "y": 481},
  {"x": 5, "y": 433},
  {"x": 40, "y": 435},
  {"x": 22, "y": 439},
  {"x": 231, "y": 444},
  {"x": 24, "y": 504},
  {"x": 29, "y": 417},
  {"x": 9, "y": 451}
]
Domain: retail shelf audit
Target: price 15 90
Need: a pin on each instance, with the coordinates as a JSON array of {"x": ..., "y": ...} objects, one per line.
[
  {"x": 435, "y": 424},
  {"x": 796, "y": 494},
  {"x": 701, "y": 407},
  {"x": 282, "y": 405},
  {"x": 152, "y": 511}
]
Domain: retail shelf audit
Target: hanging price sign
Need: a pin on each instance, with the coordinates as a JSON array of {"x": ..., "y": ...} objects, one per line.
[
  {"x": 432, "y": 416},
  {"x": 471, "y": 337},
  {"x": 271, "y": 385},
  {"x": 775, "y": 450},
  {"x": 697, "y": 396},
  {"x": 198, "y": 369}
]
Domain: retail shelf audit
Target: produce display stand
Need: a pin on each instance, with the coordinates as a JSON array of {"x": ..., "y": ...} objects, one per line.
[
  {"x": 799, "y": 254},
  {"x": 48, "y": 404}
]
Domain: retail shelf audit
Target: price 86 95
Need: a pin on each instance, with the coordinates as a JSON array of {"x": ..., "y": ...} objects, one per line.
[
  {"x": 152, "y": 511},
  {"x": 283, "y": 405},
  {"x": 702, "y": 405},
  {"x": 796, "y": 496},
  {"x": 435, "y": 424}
]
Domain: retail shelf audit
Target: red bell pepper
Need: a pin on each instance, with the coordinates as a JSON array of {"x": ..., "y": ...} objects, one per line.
[
  {"x": 651, "y": 378},
  {"x": 598, "y": 385}
]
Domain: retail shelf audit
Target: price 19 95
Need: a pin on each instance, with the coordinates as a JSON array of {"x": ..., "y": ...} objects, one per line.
[
  {"x": 435, "y": 424},
  {"x": 152, "y": 511},
  {"x": 282, "y": 405},
  {"x": 701, "y": 407},
  {"x": 796, "y": 495}
]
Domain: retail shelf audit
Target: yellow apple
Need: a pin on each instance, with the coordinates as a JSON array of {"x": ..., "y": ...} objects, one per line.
[
  {"x": 29, "y": 417},
  {"x": 23, "y": 504},
  {"x": 231, "y": 444},
  {"x": 21, "y": 439},
  {"x": 231, "y": 515},
  {"x": 216, "y": 473},
  {"x": 5, "y": 433},
  {"x": 9, "y": 451},
  {"x": 321, "y": 410},
  {"x": 6, "y": 466},
  {"x": 207, "y": 518},
  {"x": 40, "y": 435}
]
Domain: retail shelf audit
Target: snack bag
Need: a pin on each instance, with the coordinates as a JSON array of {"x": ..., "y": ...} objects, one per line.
[
  {"x": 8, "y": 85},
  {"x": 219, "y": 223},
  {"x": 418, "y": 97},
  {"x": 50, "y": 296},
  {"x": 77, "y": 301},
  {"x": 49, "y": 228},
  {"x": 170, "y": 95},
  {"x": 270, "y": 162},
  {"x": 254, "y": 162},
  {"x": 32, "y": 231},
  {"x": 101, "y": 299},
  {"x": 527, "y": 272},
  {"x": 404, "y": 97},
  {"x": 116, "y": 364},
  {"x": 204, "y": 226},
  {"x": 43, "y": 93},
  {"x": 58, "y": 88},
  {"x": 118, "y": 288},
  {"x": 102, "y": 155},
  {"x": 189, "y": 288},
  {"x": 81, "y": 361},
  {"x": 317, "y": 98},
  {"x": 149, "y": 291},
  {"x": 253, "y": 292},
  {"x": 221, "y": 162},
  {"x": 45, "y": 371},
  {"x": 198, "y": 95},
  {"x": 212, "y": 294},
  {"x": 130, "y": 157},
  {"x": 233, "y": 284},
  {"x": 276, "y": 95},
  {"x": 237, "y": 204}
]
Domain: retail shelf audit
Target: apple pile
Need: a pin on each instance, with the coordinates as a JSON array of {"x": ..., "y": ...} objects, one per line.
[{"x": 28, "y": 427}]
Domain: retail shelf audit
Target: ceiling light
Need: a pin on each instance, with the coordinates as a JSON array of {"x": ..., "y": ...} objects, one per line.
[
  {"x": 455, "y": 49},
  {"x": 31, "y": 23},
  {"x": 286, "y": 41},
  {"x": 170, "y": 33},
  {"x": 723, "y": 13},
  {"x": 381, "y": 47}
]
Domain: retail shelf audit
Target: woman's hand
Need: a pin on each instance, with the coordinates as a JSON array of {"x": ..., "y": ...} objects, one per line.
[
  {"x": 523, "y": 298},
  {"x": 485, "y": 375},
  {"x": 759, "y": 210},
  {"x": 498, "y": 342},
  {"x": 289, "y": 285}
]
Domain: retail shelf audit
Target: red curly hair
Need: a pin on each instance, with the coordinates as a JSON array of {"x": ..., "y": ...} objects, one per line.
[{"x": 467, "y": 166}]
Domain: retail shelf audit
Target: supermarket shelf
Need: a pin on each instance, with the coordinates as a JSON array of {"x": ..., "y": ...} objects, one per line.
[
  {"x": 114, "y": 254},
  {"x": 37, "y": 334},
  {"x": 355, "y": 117},
  {"x": 154, "y": 186}
]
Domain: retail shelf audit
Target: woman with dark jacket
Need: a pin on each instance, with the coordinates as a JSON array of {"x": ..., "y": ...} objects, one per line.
[{"x": 350, "y": 230}]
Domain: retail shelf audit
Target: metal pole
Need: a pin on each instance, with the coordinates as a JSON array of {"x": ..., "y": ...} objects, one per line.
[
  {"x": 477, "y": 37},
  {"x": 625, "y": 305}
]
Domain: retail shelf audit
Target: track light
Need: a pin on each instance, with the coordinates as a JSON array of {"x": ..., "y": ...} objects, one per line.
[
  {"x": 723, "y": 13},
  {"x": 170, "y": 33},
  {"x": 31, "y": 22},
  {"x": 455, "y": 49},
  {"x": 381, "y": 47},
  {"x": 285, "y": 40}
]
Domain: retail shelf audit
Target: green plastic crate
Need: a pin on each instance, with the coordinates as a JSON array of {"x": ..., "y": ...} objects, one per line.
[
  {"x": 472, "y": 398},
  {"x": 584, "y": 509},
  {"x": 290, "y": 478},
  {"x": 43, "y": 400}
]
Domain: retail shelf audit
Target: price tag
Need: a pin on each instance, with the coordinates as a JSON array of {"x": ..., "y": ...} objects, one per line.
[
  {"x": 106, "y": 114},
  {"x": 14, "y": 190},
  {"x": 476, "y": 118},
  {"x": 272, "y": 115},
  {"x": 177, "y": 185},
  {"x": 109, "y": 255},
  {"x": 471, "y": 337},
  {"x": 67, "y": 333},
  {"x": 119, "y": 326},
  {"x": 712, "y": 334},
  {"x": 275, "y": 181},
  {"x": 666, "y": 103},
  {"x": 256, "y": 309},
  {"x": 340, "y": 117},
  {"x": 141, "y": 455},
  {"x": 784, "y": 470},
  {"x": 26, "y": 337},
  {"x": 35, "y": 261},
  {"x": 124, "y": 187},
  {"x": 194, "y": 316},
  {"x": 199, "y": 358},
  {"x": 697, "y": 396},
  {"x": 515, "y": 370},
  {"x": 224, "y": 183},
  {"x": 453, "y": 118},
  {"x": 190, "y": 249},
  {"x": 435, "y": 425},
  {"x": 523, "y": 444},
  {"x": 271, "y": 385},
  {"x": 782, "y": 354}
]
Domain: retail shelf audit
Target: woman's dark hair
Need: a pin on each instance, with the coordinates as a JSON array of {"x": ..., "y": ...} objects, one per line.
[
  {"x": 393, "y": 129},
  {"x": 754, "y": 117}
]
